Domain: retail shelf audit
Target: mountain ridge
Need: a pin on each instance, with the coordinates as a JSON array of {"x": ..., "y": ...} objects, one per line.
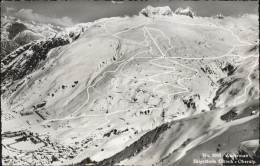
[{"x": 118, "y": 90}]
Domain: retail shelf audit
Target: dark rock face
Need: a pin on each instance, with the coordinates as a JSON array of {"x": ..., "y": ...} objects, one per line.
[
  {"x": 229, "y": 69},
  {"x": 190, "y": 103},
  {"x": 150, "y": 11},
  {"x": 187, "y": 12},
  {"x": 115, "y": 132},
  {"x": 86, "y": 161},
  {"x": 8, "y": 46},
  {"x": 27, "y": 61},
  {"x": 137, "y": 146},
  {"x": 223, "y": 87},
  {"x": 229, "y": 115},
  {"x": 15, "y": 28},
  {"x": 26, "y": 37}
]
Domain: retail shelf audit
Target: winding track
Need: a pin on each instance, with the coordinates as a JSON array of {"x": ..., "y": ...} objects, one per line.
[{"x": 163, "y": 56}]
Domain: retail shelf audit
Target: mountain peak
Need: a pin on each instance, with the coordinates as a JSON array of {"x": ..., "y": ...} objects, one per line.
[
  {"x": 187, "y": 12},
  {"x": 152, "y": 11}
]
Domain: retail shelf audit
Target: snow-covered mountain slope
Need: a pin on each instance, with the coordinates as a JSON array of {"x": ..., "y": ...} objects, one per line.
[
  {"x": 26, "y": 36},
  {"x": 166, "y": 144},
  {"x": 11, "y": 26},
  {"x": 173, "y": 143},
  {"x": 21, "y": 62},
  {"x": 19, "y": 32},
  {"x": 151, "y": 89}
]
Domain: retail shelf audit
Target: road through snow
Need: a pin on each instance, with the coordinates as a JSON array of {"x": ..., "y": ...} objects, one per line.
[{"x": 162, "y": 56}]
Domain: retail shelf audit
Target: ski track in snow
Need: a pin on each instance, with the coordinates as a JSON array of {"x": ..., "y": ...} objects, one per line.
[{"x": 163, "y": 56}]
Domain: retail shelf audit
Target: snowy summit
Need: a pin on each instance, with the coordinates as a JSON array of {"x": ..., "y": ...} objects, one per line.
[
  {"x": 187, "y": 12},
  {"x": 152, "y": 11}
]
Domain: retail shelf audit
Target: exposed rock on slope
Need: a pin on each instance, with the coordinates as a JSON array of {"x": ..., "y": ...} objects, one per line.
[
  {"x": 150, "y": 11},
  {"x": 154, "y": 88},
  {"x": 24, "y": 60},
  {"x": 7, "y": 46},
  {"x": 187, "y": 12},
  {"x": 149, "y": 149},
  {"x": 15, "y": 28},
  {"x": 144, "y": 142},
  {"x": 23, "y": 32},
  {"x": 26, "y": 36},
  {"x": 27, "y": 61}
]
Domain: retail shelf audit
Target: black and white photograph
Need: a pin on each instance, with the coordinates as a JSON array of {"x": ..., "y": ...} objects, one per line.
[{"x": 130, "y": 83}]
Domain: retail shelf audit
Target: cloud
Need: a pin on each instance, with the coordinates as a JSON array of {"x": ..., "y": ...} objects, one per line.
[
  {"x": 10, "y": 9},
  {"x": 29, "y": 14}
]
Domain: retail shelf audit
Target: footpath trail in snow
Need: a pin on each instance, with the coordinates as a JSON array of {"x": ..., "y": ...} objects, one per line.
[{"x": 162, "y": 56}]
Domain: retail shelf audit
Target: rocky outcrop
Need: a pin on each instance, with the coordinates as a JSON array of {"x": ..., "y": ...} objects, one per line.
[
  {"x": 224, "y": 85},
  {"x": 8, "y": 46},
  {"x": 15, "y": 28},
  {"x": 186, "y": 12},
  {"x": 16, "y": 33},
  {"x": 150, "y": 11},
  {"x": 25, "y": 59},
  {"x": 27, "y": 36},
  {"x": 136, "y": 147}
]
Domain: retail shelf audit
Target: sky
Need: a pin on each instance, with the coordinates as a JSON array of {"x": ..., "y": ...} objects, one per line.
[{"x": 67, "y": 13}]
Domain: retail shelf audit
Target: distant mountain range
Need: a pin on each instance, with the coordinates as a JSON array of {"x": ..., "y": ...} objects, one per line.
[{"x": 15, "y": 33}]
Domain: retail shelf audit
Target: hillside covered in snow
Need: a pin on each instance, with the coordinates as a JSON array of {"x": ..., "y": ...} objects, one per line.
[
  {"x": 156, "y": 88},
  {"x": 16, "y": 33}
]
